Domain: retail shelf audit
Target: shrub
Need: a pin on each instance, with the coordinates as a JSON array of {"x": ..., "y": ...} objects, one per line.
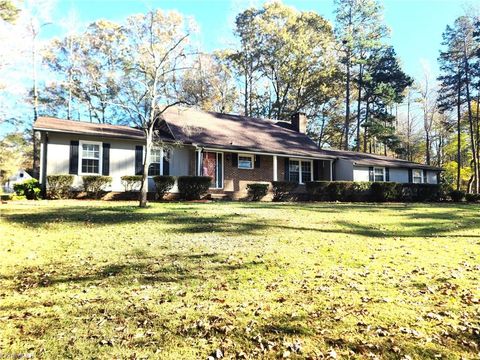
[
  {"x": 385, "y": 191},
  {"x": 472, "y": 197},
  {"x": 361, "y": 191},
  {"x": 131, "y": 182},
  {"x": 193, "y": 187},
  {"x": 282, "y": 189},
  {"x": 318, "y": 190},
  {"x": 457, "y": 195},
  {"x": 59, "y": 186},
  {"x": 163, "y": 184},
  {"x": 257, "y": 191},
  {"x": 421, "y": 192},
  {"x": 29, "y": 188},
  {"x": 94, "y": 185}
]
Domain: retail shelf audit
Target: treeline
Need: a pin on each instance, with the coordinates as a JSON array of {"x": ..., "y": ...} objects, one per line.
[{"x": 345, "y": 76}]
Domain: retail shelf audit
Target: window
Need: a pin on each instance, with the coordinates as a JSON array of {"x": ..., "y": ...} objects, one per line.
[
  {"x": 154, "y": 163},
  {"x": 417, "y": 176},
  {"x": 90, "y": 158},
  {"x": 378, "y": 174},
  {"x": 245, "y": 161},
  {"x": 300, "y": 171}
]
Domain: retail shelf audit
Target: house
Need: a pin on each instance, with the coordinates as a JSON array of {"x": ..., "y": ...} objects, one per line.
[
  {"x": 234, "y": 150},
  {"x": 20, "y": 176}
]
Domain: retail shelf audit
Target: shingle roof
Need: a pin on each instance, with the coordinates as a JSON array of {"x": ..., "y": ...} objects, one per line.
[
  {"x": 86, "y": 128},
  {"x": 235, "y": 132},
  {"x": 366, "y": 159}
]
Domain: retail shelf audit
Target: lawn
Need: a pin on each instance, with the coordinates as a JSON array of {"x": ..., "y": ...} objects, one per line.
[{"x": 85, "y": 279}]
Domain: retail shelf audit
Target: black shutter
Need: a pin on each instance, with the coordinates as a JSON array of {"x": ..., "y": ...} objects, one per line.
[
  {"x": 73, "y": 167},
  {"x": 166, "y": 166},
  {"x": 234, "y": 159},
  {"x": 387, "y": 174},
  {"x": 316, "y": 170},
  {"x": 371, "y": 175},
  {"x": 287, "y": 169},
  {"x": 220, "y": 170},
  {"x": 410, "y": 176},
  {"x": 257, "y": 161},
  {"x": 425, "y": 176},
  {"x": 106, "y": 159},
  {"x": 139, "y": 160}
]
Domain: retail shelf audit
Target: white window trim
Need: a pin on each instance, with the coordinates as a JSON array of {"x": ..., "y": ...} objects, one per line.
[
  {"x": 252, "y": 158},
  {"x": 421, "y": 176},
  {"x": 300, "y": 177},
  {"x": 161, "y": 160},
  {"x": 384, "y": 174},
  {"x": 100, "y": 156}
]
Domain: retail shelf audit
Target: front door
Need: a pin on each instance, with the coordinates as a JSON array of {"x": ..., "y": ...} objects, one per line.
[{"x": 212, "y": 167}]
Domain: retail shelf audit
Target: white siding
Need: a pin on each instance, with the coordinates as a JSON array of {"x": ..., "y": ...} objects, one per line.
[
  {"x": 432, "y": 177},
  {"x": 360, "y": 173},
  {"x": 399, "y": 175}
]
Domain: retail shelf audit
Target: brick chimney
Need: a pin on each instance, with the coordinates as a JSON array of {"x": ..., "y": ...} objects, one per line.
[{"x": 299, "y": 122}]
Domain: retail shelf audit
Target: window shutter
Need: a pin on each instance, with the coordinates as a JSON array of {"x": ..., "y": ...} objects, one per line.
[
  {"x": 425, "y": 176},
  {"x": 287, "y": 169},
  {"x": 234, "y": 159},
  {"x": 106, "y": 159},
  {"x": 410, "y": 176},
  {"x": 220, "y": 170},
  {"x": 387, "y": 174},
  {"x": 257, "y": 162},
  {"x": 371, "y": 176},
  {"x": 139, "y": 160},
  {"x": 166, "y": 166},
  {"x": 73, "y": 166},
  {"x": 316, "y": 170}
]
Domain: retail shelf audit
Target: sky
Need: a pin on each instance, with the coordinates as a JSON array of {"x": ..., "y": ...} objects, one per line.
[{"x": 416, "y": 25}]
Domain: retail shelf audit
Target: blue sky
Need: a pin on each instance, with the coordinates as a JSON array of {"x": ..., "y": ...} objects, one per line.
[{"x": 416, "y": 25}]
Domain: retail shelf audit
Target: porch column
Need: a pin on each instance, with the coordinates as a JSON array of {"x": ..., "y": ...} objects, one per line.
[
  {"x": 161, "y": 161},
  {"x": 199, "y": 162},
  {"x": 275, "y": 168},
  {"x": 331, "y": 170}
]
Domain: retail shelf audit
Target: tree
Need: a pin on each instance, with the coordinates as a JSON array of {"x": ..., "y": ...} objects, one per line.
[
  {"x": 150, "y": 70},
  {"x": 8, "y": 11},
  {"x": 15, "y": 153},
  {"x": 359, "y": 32},
  {"x": 209, "y": 84}
]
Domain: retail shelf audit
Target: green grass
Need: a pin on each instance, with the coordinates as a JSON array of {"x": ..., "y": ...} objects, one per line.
[{"x": 81, "y": 279}]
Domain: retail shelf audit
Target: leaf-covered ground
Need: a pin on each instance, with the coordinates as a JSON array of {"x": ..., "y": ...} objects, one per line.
[{"x": 81, "y": 279}]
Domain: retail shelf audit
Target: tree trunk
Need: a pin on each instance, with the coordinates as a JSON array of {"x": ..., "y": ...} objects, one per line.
[
  {"x": 359, "y": 104},
  {"x": 346, "y": 127},
  {"x": 459, "y": 149},
  {"x": 144, "y": 187},
  {"x": 365, "y": 131},
  {"x": 427, "y": 147}
]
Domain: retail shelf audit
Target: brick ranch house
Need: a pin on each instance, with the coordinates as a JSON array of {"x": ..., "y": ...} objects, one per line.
[{"x": 234, "y": 150}]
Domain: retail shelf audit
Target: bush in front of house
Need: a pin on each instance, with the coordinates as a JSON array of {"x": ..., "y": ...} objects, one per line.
[
  {"x": 193, "y": 187},
  {"x": 421, "y": 192},
  {"x": 473, "y": 198},
  {"x": 338, "y": 190},
  {"x": 94, "y": 185},
  {"x": 163, "y": 184},
  {"x": 257, "y": 191},
  {"x": 457, "y": 195},
  {"x": 29, "y": 188},
  {"x": 318, "y": 190},
  {"x": 385, "y": 191},
  {"x": 58, "y": 186},
  {"x": 131, "y": 182},
  {"x": 282, "y": 189}
]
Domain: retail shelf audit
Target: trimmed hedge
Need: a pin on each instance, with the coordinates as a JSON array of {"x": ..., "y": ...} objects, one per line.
[
  {"x": 163, "y": 184},
  {"x": 193, "y": 187},
  {"x": 131, "y": 182},
  {"x": 472, "y": 197},
  {"x": 94, "y": 185},
  {"x": 58, "y": 186},
  {"x": 457, "y": 195},
  {"x": 282, "y": 189},
  {"x": 29, "y": 188},
  {"x": 257, "y": 191},
  {"x": 371, "y": 191}
]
